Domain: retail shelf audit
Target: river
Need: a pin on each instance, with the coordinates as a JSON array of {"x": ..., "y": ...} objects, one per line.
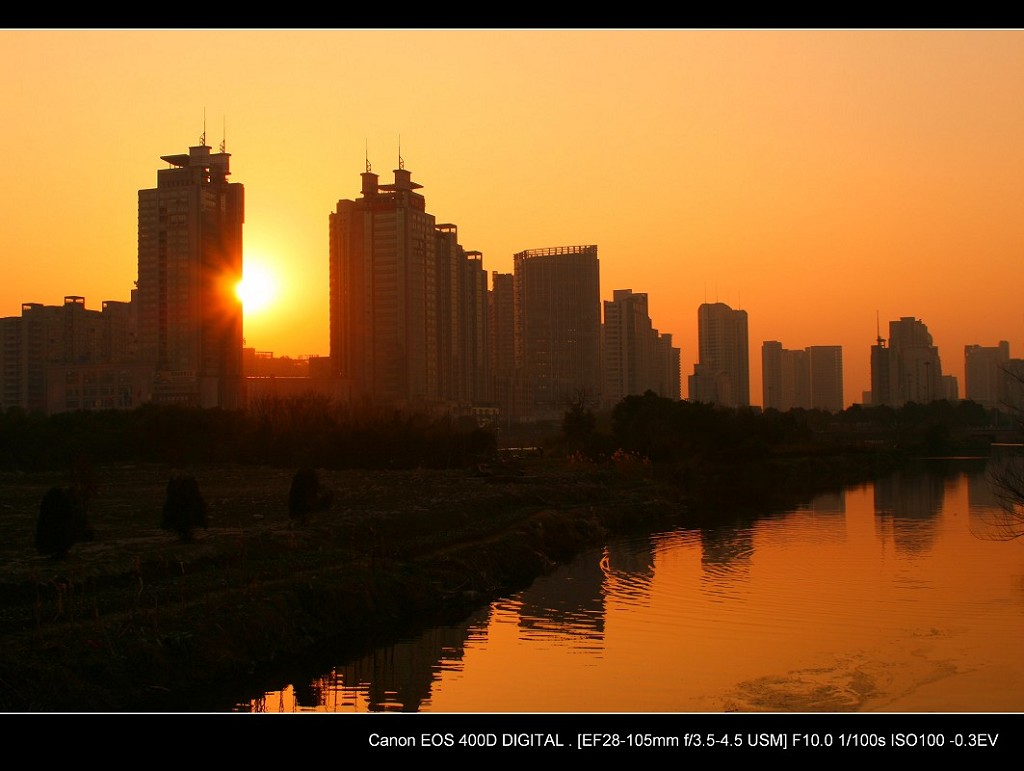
[{"x": 892, "y": 596}]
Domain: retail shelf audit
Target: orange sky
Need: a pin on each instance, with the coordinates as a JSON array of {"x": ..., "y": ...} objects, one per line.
[{"x": 809, "y": 177}]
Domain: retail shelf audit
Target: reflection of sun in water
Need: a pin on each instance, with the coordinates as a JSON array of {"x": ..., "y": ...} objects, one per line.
[{"x": 257, "y": 288}]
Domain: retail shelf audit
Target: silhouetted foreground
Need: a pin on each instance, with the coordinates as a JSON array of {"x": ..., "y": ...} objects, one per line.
[
  {"x": 139, "y": 619},
  {"x": 291, "y": 432},
  {"x": 184, "y": 507},
  {"x": 61, "y": 522}
]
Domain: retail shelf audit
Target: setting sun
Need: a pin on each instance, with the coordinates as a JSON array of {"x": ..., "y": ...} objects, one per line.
[{"x": 257, "y": 289}]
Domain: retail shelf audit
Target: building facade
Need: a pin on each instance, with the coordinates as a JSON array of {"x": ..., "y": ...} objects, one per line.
[
  {"x": 190, "y": 263},
  {"x": 985, "y": 373},
  {"x": 557, "y": 296},
  {"x": 636, "y": 357},
  {"x": 408, "y": 305},
  {"x": 55, "y": 358},
  {"x": 722, "y": 373},
  {"x": 909, "y": 368}
]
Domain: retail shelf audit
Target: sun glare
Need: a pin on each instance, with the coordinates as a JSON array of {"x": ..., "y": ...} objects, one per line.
[{"x": 257, "y": 288}]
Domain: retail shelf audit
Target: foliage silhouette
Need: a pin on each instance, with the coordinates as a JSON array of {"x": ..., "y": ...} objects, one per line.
[
  {"x": 184, "y": 507},
  {"x": 307, "y": 495},
  {"x": 61, "y": 522}
]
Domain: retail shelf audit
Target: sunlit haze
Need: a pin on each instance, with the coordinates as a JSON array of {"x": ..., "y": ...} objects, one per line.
[{"x": 812, "y": 178}]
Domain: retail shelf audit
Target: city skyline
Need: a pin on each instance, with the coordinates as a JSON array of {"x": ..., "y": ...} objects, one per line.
[{"x": 811, "y": 178}]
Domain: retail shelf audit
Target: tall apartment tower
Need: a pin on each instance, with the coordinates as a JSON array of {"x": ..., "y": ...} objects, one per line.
[
  {"x": 501, "y": 322},
  {"x": 825, "y": 367},
  {"x": 56, "y": 358},
  {"x": 384, "y": 304},
  {"x": 722, "y": 373},
  {"x": 909, "y": 369},
  {"x": 190, "y": 262},
  {"x": 785, "y": 377},
  {"x": 408, "y": 304},
  {"x": 558, "y": 328},
  {"x": 985, "y": 370},
  {"x": 637, "y": 358}
]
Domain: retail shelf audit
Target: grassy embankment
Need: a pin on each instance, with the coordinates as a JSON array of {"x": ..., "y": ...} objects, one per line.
[{"x": 137, "y": 615}]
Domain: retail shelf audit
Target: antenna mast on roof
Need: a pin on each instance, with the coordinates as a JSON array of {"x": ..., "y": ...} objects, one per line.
[
  {"x": 224, "y": 139},
  {"x": 366, "y": 156},
  {"x": 202, "y": 137},
  {"x": 401, "y": 163}
]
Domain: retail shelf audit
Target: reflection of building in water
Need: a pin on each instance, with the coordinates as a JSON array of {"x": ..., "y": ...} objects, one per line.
[
  {"x": 981, "y": 495},
  {"x": 394, "y": 678},
  {"x": 992, "y": 516},
  {"x": 567, "y": 603},
  {"x": 628, "y": 568},
  {"x": 726, "y": 554},
  {"x": 906, "y": 506},
  {"x": 829, "y": 503}
]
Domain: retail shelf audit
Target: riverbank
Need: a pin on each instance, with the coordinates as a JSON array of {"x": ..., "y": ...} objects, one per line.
[{"x": 136, "y": 617}]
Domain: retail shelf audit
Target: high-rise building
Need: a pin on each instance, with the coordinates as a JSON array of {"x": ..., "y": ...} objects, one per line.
[
  {"x": 785, "y": 377},
  {"x": 985, "y": 372},
  {"x": 722, "y": 373},
  {"x": 637, "y": 358},
  {"x": 55, "y": 358},
  {"x": 558, "y": 328},
  {"x": 807, "y": 379},
  {"x": 825, "y": 367},
  {"x": 408, "y": 303},
  {"x": 384, "y": 324},
  {"x": 502, "y": 341},
  {"x": 909, "y": 369},
  {"x": 190, "y": 263}
]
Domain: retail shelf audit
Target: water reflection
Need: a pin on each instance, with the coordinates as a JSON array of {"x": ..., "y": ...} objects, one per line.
[{"x": 880, "y": 597}]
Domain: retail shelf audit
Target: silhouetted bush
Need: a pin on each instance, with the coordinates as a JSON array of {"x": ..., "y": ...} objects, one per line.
[
  {"x": 184, "y": 507},
  {"x": 307, "y": 495},
  {"x": 61, "y": 522}
]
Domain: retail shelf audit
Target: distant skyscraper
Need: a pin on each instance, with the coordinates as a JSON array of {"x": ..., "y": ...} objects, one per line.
[
  {"x": 785, "y": 377},
  {"x": 807, "y": 379},
  {"x": 722, "y": 373},
  {"x": 408, "y": 303},
  {"x": 190, "y": 263},
  {"x": 55, "y": 358},
  {"x": 558, "y": 328},
  {"x": 825, "y": 365},
  {"x": 985, "y": 373},
  {"x": 637, "y": 358},
  {"x": 502, "y": 343},
  {"x": 909, "y": 369},
  {"x": 384, "y": 294}
]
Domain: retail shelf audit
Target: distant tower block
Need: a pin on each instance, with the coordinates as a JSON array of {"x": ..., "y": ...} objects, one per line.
[
  {"x": 190, "y": 262},
  {"x": 558, "y": 328},
  {"x": 722, "y": 373}
]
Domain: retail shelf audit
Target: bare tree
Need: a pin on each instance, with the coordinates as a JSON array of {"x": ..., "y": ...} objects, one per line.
[{"x": 1006, "y": 472}]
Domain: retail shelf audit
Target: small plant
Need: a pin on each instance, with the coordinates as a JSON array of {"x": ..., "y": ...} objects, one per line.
[
  {"x": 61, "y": 522},
  {"x": 184, "y": 508},
  {"x": 307, "y": 495}
]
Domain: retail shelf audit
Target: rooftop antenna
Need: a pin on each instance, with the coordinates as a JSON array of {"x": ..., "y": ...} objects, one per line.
[
  {"x": 202, "y": 137},
  {"x": 878, "y": 330},
  {"x": 366, "y": 155},
  {"x": 224, "y": 140},
  {"x": 401, "y": 163}
]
